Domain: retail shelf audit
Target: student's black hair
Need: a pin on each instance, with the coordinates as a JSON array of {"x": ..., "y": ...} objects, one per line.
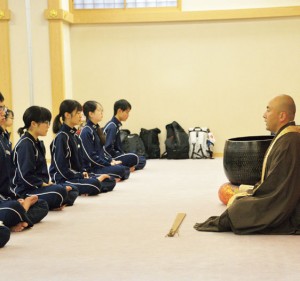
[
  {"x": 121, "y": 104},
  {"x": 8, "y": 111},
  {"x": 91, "y": 106},
  {"x": 1, "y": 97},
  {"x": 34, "y": 113},
  {"x": 67, "y": 106}
]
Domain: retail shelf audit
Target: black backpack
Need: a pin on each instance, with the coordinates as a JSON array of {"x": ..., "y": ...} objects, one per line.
[
  {"x": 132, "y": 143},
  {"x": 151, "y": 142},
  {"x": 177, "y": 142},
  {"x": 123, "y": 134}
]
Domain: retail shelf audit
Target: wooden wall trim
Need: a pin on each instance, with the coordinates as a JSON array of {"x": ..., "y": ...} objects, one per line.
[
  {"x": 57, "y": 18},
  {"x": 5, "y": 64},
  {"x": 58, "y": 14},
  {"x": 4, "y": 14},
  {"x": 175, "y": 15}
]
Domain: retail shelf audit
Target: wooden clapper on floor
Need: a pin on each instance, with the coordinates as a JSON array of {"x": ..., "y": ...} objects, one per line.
[{"x": 176, "y": 224}]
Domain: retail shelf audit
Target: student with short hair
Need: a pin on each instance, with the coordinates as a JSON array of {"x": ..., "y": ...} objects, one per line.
[
  {"x": 66, "y": 160},
  {"x": 113, "y": 147},
  {"x": 31, "y": 173},
  {"x": 15, "y": 213},
  {"x": 93, "y": 139}
]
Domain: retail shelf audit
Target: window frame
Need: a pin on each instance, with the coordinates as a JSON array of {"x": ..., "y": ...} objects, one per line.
[
  {"x": 124, "y": 15},
  {"x": 179, "y": 3}
]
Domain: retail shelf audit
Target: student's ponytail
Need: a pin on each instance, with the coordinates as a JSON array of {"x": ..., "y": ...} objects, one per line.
[
  {"x": 101, "y": 135},
  {"x": 21, "y": 131},
  {"x": 56, "y": 124}
]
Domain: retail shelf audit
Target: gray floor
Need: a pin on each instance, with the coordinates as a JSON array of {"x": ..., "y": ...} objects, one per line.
[{"x": 121, "y": 235}]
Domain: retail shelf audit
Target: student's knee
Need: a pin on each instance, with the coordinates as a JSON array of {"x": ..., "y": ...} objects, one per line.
[
  {"x": 71, "y": 196},
  {"x": 93, "y": 192},
  {"x": 38, "y": 211},
  {"x": 57, "y": 200},
  {"x": 142, "y": 163},
  {"x": 15, "y": 205},
  {"x": 4, "y": 235},
  {"x": 108, "y": 185},
  {"x": 10, "y": 215},
  {"x": 62, "y": 190},
  {"x": 126, "y": 173},
  {"x": 93, "y": 187}
]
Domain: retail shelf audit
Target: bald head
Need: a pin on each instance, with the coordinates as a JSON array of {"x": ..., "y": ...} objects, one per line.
[
  {"x": 285, "y": 103},
  {"x": 280, "y": 111}
]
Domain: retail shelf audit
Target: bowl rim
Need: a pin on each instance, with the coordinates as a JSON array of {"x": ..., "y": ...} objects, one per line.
[{"x": 251, "y": 138}]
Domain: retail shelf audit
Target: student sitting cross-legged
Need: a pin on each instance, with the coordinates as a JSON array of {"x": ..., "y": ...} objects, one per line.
[
  {"x": 15, "y": 213},
  {"x": 92, "y": 140},
  {"x": 31, "y": 173},
  {"x": 66, "y": 161},
  {"x": 113, "y": 147}
]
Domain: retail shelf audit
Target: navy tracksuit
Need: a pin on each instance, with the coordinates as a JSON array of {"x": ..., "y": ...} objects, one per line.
[
  {"x": 32, "y": 171},
  {"x": 113, "y": 146},
  {"x": 66, "y": 164},
  {"x": 94, "y": 160},
  {"x": 6, "y": 167},
  {"x": 4, "y": 235},
  {"x": 11, "y": 211}
]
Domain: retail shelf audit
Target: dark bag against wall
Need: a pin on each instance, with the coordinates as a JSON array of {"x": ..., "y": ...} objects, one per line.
[
  {"x": 132, "y": 143},
  {"x": 177, "y": 142},
  {"x": 151, "y": 142},
  {"x": 123, "y": 134}
]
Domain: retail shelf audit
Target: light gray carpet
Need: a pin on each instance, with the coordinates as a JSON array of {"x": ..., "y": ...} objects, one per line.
[{"x": 121, "y": 235}]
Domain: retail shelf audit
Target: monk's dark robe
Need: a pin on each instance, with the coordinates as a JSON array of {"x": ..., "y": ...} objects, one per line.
[{"x": 274, "y": 206}]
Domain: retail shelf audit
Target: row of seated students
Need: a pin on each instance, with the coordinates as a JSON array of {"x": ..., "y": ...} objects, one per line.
[{"x": 85, "y": 163}]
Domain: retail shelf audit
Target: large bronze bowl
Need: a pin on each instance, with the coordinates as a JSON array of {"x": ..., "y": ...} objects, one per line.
[{"x": 243, "y": 158}]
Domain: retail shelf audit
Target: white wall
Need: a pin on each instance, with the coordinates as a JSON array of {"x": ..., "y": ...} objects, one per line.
[
  {"x": 216, "y": 74},
  {"x": 68, "y": 63}
]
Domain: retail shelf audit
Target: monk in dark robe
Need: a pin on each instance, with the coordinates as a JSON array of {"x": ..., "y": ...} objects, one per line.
[{"x": 273, "y": 205}]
